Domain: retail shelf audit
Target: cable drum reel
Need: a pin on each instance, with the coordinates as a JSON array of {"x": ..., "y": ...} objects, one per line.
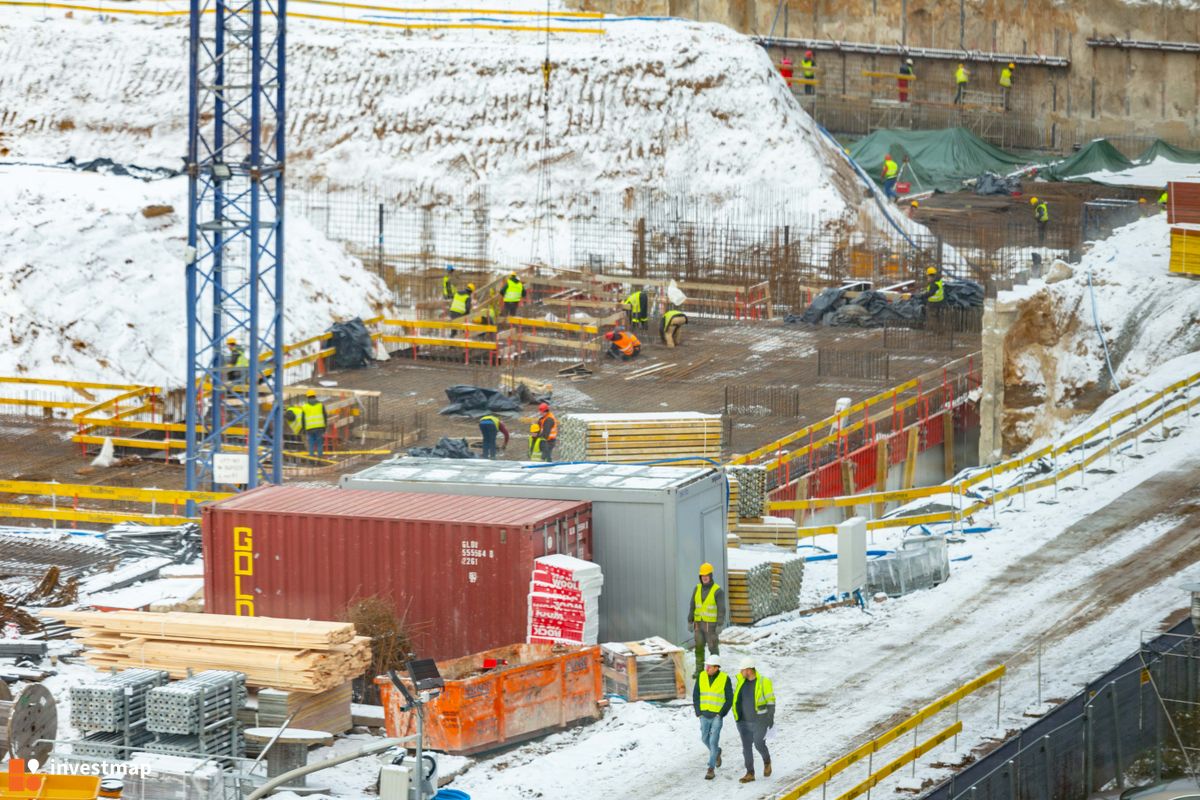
[{"x": 28, "y": 723}]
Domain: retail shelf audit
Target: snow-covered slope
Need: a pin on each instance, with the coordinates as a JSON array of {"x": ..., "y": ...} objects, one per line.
[
  {"x": 1054, "y": 359},
  {"x": 93, "y": 289},
  {"x": 668, "y": 104}
]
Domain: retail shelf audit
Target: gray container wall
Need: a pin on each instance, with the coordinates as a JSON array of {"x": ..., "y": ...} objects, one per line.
[{"x": 648, "y": 541}]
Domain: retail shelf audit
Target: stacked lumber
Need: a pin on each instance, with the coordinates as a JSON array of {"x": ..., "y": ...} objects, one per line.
[
  {"x": 774, "y": 533},
  {"x": 633, "y": 438},
  {"x": 733, "y": 540},
  {"x": 749, "y": 590},
  {"x": 752, "y": 490},
  {"x": 732, "y": 505},
  {"x": 294, "y": 655},
  {"x": 1185, "y": 249},
  {"x": 324, "y": 711}
]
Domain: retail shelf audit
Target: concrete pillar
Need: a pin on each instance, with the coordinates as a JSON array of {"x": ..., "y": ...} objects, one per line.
[{"x": 998, "y": 317}]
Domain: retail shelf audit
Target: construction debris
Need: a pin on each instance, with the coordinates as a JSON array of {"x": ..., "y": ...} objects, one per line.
[
  {"x": 690, "y": 437},
  {"x": 180, "y": 543},
  {"x": 296, "y": 655},
  {"x": 873, "y": 309},
  {"x": 445, "y": 448},
  {"x": 474, "y": 402},
  {"x": 29, "y": 552}
]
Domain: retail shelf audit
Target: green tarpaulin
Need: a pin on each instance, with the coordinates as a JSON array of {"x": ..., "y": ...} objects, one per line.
[
  {"x": 1095, "y": 156},
  {"x": 1170, "y": 152},
  {"x": 938, "y": 160}
]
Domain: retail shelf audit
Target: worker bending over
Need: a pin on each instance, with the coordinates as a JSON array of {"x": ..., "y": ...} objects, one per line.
[
  {"x": 489, "y": 426},
  {"x": 637, "y": 309},
  {"x": 622, "y": 344},
  {"x": 671, "y": 329}
]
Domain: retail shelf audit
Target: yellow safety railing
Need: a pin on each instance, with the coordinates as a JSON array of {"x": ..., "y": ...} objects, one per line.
[
  {"x": 166, "y": 506},
  {"x": 910, "y": 724},
  {"x": 1099, "y": 441},
  {"x": 900, "y": 761}
]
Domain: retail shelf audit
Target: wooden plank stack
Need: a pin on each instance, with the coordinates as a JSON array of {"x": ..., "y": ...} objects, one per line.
[
  {"x": 1185, "y": 249},
  {"x": 734, "y": 491},
  {"x": 633, "y": 438},
  {"x": 651, "y": 669},
  {"x": 294, "y": 655},
  {"x": 774, "y": 533},
  {"x": 749, "y": 590}
]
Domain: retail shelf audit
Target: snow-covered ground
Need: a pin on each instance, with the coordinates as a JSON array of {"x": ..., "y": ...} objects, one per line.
[
  {"x": 93, "y": 289},
  {"x": 1157, "y": 173},
  {"x": 1146, "y": 315}
]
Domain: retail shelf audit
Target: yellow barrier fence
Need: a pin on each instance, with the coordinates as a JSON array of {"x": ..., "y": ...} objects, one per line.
[{"x": 910, "y": 724}]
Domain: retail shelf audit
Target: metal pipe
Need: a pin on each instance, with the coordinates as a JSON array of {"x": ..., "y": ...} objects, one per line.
[
  {"x": 369, "y": 750},
  {"x": 931, "y": 53},
  {"x": 1143, "y": 44}
]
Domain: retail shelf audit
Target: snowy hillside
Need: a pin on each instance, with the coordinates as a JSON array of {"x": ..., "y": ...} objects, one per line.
[
  {"x": 1054, "y": 354},
  {"x": 91, "y": 288},
  {"x": 670, "y": 104}
]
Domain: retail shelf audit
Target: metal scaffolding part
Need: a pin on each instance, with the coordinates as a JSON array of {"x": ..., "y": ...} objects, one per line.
[
  {"x": 235, "y": 264},
  {"x": 932, "y": 53},
  {"x": 1143, "y": 44}
]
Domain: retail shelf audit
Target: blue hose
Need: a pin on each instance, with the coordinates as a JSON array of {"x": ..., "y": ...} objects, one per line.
[
  {"x": 451, "y": 794},
  {"x": 833, "y": 556},
  {"x": 870, "y": 184}
]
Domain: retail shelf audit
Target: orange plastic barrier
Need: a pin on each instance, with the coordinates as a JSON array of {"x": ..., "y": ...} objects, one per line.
[{"x": 542, "y": 689}]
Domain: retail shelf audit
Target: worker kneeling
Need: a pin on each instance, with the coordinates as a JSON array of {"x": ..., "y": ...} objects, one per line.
[{"x": 622, "y": 344}]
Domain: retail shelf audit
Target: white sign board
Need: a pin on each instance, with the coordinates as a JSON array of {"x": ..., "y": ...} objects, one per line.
[
  {"x": 231, "y": 468},
  {"x": 852, "y": 554}
]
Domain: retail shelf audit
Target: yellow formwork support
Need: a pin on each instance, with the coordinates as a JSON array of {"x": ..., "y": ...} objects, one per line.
[
  {"x": 119, "y": 493},
  {"x": 17, "y": 510}
]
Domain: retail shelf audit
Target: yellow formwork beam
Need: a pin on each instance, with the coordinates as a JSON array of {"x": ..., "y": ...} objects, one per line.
[
  {"x": 441, "y": 324},
  {"x": 553, "y": 326},
  {"x": 430, "y": 341},
  {"x": 20, "y": 401},
  {"x": 18, "y": 511},
  {"x": 65, "y": 384},
  {"x": 99, "y": 492}
]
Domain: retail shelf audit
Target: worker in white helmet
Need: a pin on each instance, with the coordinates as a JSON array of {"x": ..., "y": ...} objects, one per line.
[
  {"x": 754, "y": 715},
  {"x": 712, "y": 697}
]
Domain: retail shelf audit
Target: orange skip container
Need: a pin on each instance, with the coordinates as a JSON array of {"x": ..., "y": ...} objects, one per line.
[{"x": 543, "y": 688}]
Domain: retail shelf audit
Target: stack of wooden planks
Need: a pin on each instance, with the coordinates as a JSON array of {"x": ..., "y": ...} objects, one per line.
[
  {"x": 776, "y": 533},
  {"x": 732, "y": 508},
  {"x": 293, "y": 655},
  {"x": 634, "y": 438}
]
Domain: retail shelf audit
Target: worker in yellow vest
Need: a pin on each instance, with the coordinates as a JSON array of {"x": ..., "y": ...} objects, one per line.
[
  {"x": 808, "y": 70},
  {"x": 489, "y": 426},
  {"x": 671, "y": 330},
  {"x": 754, "y": 715},
  {"x": 514, "y": 293},
  {"x": 1163, "y": 199},
  {"x": 535, "y": 443},
  {"x": 712, "y": 697},
  {"x": 1041, "y": 214},
  {"x": 706, "y": 613},
  {"x": 934, "y": 298},
  {"x": 637, "y": 309},
  {"x": 448, "y": 283},
  {"x": 961, "y": 76},
  {"x": 891, "y": 171},
  {"x": 1006, "y": 75},
  {"x": 315, "y": 417},
  {"x": 294, "y": 416}
]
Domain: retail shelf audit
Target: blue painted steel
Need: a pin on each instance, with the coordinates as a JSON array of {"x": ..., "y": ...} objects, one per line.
[{"x": 235, "y": 269}]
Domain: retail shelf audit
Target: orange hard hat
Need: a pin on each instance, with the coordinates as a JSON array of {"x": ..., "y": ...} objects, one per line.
[{"x": 609, "y": 336}]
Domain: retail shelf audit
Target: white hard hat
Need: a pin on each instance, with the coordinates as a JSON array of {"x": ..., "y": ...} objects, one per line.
[
  {"x": 712, "y": 661},
  {"x": 747, "y": 663}
]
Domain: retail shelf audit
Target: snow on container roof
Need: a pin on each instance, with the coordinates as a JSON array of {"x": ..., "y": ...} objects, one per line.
[
  {"x": 412, "y": 506},
  {"x": 623, "y": 477}
]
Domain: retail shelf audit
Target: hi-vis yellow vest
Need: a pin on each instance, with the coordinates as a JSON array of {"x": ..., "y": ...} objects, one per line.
[
  {"x": 712, "y": 695},
  {"x": 706, "y": 608}
]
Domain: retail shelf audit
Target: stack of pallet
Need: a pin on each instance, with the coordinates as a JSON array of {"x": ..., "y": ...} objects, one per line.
[
  {"x": 752, "y": 491},
  {"x": 749, "y": 589},
  {"x": 293, "y": 655},
  {"x": 634, "y": 438},
  {"x": 651, "y": 669}
]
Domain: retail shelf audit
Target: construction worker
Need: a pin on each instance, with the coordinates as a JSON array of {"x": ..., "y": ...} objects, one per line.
[
  {"x": 912, "y": 209},
  {"x": 460, "y": 305},
  {"x": 237, "y": 357},
  {"x": 1164, "y": 199},
  {"x": 961, "y": 76},
  {"x": 535, "y": 443},
  {"x": 808, "y": 70},
  {"x": 754, "y": 715},
  {"x": 547, "y": 431},
  {"x": 891, "y": 170},
  {"x": 514, "y": 293},
  {"x": 1041, "y": 213},
  {"x": 712, "y": 697},
  {"x": 1006, "y": 75},
  {"x": 906, "y": 69},
  {"x": 637, "y": 309},
  {"x": 623, "y": 344},
  {"x": 315, "y": 416},
  {"x": 935, "y": 288},
  {"x": 706, "y": 613},
  {"x": 671, "y": 329},
  {"x": 294, "y": 417},
  {"x": 489, "y": 426},
  {"x": 785, "y": 71},
  {"x": 448, "y": 283}
]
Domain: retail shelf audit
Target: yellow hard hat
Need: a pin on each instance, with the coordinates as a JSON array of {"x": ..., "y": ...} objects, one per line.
[
  {"x": 1012, "y": 66},
  {"x": 706, "y": 568},
  {"x": 931, "y": 271},
  {"x": 534, "y": 428},
  {"x": 1141, "y": 199},
  {"x": 915, "y": 204},
  {"x": 311, "y": 393},
  {"x": 231, "y": 342},
  {"x": 471, "y": 286},
  {"x": 1033, "y": 201}
]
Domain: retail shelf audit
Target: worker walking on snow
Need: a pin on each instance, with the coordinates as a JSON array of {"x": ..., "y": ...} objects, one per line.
[
  {"x": 891, "y": 170},
  {"x": 706, "y": 613},
  {"x": 315, "y": 417},
  {"x": 754, "y": 714},
  {"x": 514, "y": 293},
  {"x": 547, "y": 431},
  {"x": 808, "y": 70},
  {"x": 637, "y": 309},
  {"x": 712, "y": 697},
  {"x": 671, "y": 329},
  {"x": 1041, "y": 213},
  {"x": 961, "y": 76},
  {"x": 489, "y": 426},
  {"x": 535, "y": 443},
  {"x": 1006, "y": 76},
  {"x": 906, "y": 69},
  {"x": 623, "y": 345}
]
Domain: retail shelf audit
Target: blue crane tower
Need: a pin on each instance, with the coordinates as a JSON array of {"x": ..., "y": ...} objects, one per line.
[{"x": 235, "y": 264}]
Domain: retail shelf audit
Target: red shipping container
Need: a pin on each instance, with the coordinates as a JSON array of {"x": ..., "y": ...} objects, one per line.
[{"x": 456, "y": 567}]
